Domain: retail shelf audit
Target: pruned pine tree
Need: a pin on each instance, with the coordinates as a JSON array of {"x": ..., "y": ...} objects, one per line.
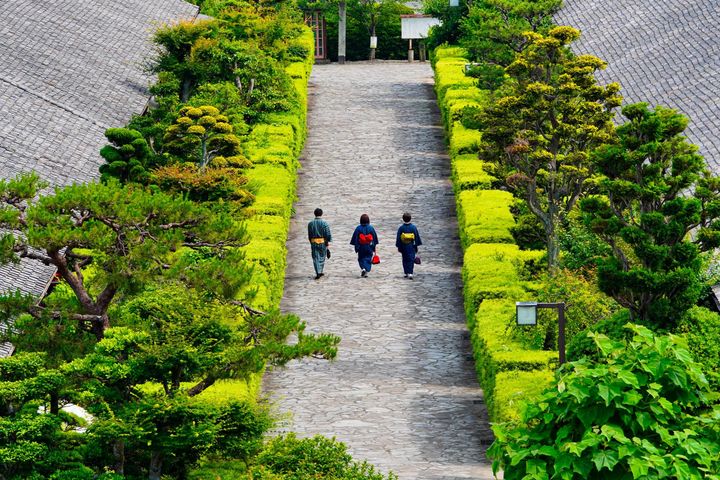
[
  {"x": 543, "y": 124},
  {"x": 130, "y": 236},
  {"x": 659, "y": 210}
]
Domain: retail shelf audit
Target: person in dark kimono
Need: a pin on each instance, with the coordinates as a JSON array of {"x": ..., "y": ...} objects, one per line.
[
  {"x": 320, "y": 238},
  {"x": 407, "y": 243},
  {"x": 365, "y": 241}
]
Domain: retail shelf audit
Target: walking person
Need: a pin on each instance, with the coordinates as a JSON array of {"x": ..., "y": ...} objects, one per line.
[
  {"x": 407, "y": 242},
  {"x": 320, "y": 238},
  {"x": 365, "y": 241}
]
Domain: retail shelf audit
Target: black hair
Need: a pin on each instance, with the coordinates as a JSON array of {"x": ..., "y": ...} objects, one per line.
[
  {"x": 406, "y": 217},
  {"x": 318, "y": 212},
  {"x": 364, "y": 219}
]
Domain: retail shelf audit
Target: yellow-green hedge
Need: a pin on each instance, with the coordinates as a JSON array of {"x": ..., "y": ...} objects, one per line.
[
  {"x": 484, "y": 216},
  {"x": 273, "y": 147},
  {"x": 509, "y": 374}
]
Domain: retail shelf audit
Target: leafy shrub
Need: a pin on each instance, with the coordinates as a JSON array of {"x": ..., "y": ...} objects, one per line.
[
  {"x": 210, "y": 184},
  {"x": 701, "y": 328},
  {"x": 580, "y": 247},
  {"x": 527, "y": 232},
  {"x": 469, "y": 173},
  {"x": 582, "y": 345},
  {"x": 585, "y": 306},
  {"x": 128, "y": 156},
  {"x": 484, "y": 216},
  {"x": 290, "y": 458},
  {"x": 641, "y": 412}
]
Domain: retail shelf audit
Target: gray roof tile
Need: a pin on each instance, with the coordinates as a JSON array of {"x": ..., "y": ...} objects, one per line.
[
  {"x": 69, "y": 69},
  {"x": 664, "y": 52}
]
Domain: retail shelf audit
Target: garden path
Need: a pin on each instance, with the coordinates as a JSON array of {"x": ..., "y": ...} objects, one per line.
[{"x": 402, "y": 392}]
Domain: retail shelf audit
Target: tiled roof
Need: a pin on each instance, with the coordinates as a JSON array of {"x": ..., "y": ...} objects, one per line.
[
  {"x": 664, "y": 52},
  {"x": 69, "y": 69}
]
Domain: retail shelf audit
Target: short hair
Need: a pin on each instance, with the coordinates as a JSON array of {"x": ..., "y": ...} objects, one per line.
[
  {"x": 364, "y": 219},
  {"x": 406, "y": 217},
  {"x": 318, "y": 212}
]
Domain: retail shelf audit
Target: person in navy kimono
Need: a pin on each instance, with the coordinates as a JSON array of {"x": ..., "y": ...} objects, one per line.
[
  {"x": 365, "y": 241},
  {"x": 407, "y": 243},
  {"x": 320, "y": 238}
]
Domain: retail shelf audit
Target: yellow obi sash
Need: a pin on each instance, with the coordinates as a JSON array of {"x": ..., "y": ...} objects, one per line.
[{"x": 407, "y": 237}]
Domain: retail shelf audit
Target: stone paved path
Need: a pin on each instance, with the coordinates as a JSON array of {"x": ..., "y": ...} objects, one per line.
[{"x": 402, "y": 392}]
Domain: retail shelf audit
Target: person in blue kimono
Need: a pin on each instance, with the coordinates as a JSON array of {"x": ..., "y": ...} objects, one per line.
[
  {"x": 407, "y": 243},
  {"x": 320, "y": 238},
  {"x": 365, "y": 241}
]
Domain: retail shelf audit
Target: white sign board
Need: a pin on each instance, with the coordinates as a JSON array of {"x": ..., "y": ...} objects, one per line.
[{"x": 416, "y": 26}]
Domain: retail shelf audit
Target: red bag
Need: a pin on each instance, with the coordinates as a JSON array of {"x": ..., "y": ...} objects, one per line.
[
  {"x": 365, "y": 239},
  {"x": 376, "y": 259}
]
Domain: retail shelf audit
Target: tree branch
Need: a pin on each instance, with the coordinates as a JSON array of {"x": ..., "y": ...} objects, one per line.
[{"x": 247, "y": 308}]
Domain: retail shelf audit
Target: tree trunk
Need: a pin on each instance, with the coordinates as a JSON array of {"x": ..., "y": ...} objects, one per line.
[
  {"x": 155, "y": 472},
  {"x": 342, "y": 22},
  {"x": 185, "y": 91},
  {"x": 553, "y": 246},
  {"x": 54, "y": 402},
  {"x": 372, "y": 36},
  {"x": 119, "y": 454}
]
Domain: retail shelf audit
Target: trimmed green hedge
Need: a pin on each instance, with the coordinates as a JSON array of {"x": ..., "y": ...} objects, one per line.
[
  {"x": 484, "y": 216},
  {"x": 509, "y": 374},
  {"x": 274, "y": 147}
]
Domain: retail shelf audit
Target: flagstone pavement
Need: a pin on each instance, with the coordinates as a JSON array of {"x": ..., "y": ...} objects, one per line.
[{"x": 402, "y": 392}]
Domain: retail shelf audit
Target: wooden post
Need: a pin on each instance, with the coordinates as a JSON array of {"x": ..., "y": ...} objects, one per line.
[
  {"x": 411, "y": 52},
  {"x": 561, "y": 332},
  {"x": 342, "y": 12}
]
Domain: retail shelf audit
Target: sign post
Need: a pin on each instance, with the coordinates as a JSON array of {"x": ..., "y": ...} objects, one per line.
[{"x": 416, "y": 27}]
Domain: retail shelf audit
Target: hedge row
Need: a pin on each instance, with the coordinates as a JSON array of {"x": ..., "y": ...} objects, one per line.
[
  {"x": 274, "y": 148},
  {"x": 509, "y": 374}
]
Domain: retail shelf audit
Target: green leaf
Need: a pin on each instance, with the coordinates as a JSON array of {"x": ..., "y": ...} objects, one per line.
[
  {"x": 639, "y": 467},
  {"x": 628, "y": 377},
  {"x": 605, "y": 459}
]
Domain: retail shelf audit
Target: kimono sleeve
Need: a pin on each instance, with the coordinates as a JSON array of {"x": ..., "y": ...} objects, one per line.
[
  {"x": 418, "y": 242},
  {"x": 326, "y": 232}
]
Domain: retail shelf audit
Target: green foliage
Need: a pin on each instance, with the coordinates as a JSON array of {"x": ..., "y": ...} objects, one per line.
[
  {"x": 469, "y": 173},
  {"x": 544, "y": 123},
  {"x": 127, "y": 232},
  {"x": 484, "y": 216},
  {"x": 646, "y": 215},
  {"x": 290, "y": 458},
  {"x": 493, "y": 31},
  {"x": 583, "y": 345},
  {"x": 203, "y": 135},
  {"x": 581, "y": 248},
  {"x": 205, "y": 185},
  {"x": 360, "y": 17},
  {"x": 527, "y": 232},
  {"x": 450, "y": 17},
  {"x": 641, "y": 412},
  {"x": 701, "y": 329},
  {"x": 128, "y": 156},
  {"x": 585, "y": 306}
]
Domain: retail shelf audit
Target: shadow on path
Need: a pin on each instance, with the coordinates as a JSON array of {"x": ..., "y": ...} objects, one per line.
[{"x": 402, "y": 393}]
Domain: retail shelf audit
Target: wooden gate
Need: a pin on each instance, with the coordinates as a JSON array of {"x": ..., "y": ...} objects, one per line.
[{"x": 316, "y": 21}]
